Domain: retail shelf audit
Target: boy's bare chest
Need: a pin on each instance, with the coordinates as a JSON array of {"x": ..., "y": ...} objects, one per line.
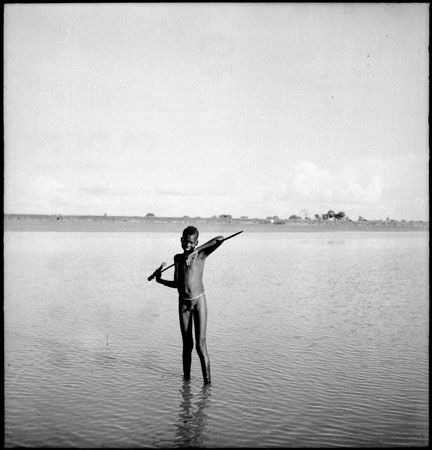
[{"x": 194, "y": 268}]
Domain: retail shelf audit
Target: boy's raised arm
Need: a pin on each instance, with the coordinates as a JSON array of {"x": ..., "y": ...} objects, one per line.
[{"x": 210, "y": 246}]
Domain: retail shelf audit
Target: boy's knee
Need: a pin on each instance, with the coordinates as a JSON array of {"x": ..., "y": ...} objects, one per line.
[
  {"x": 188, "y": 346},
  {"x": 201, "y": 346}
]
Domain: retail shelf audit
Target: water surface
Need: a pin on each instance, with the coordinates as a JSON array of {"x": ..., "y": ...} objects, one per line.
[{"x": 315, "y": 339}]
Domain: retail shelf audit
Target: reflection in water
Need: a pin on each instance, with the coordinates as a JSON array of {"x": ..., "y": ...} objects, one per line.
[
  {"x": 192, "y": 422},
  {"x": 353, "y": 345}
]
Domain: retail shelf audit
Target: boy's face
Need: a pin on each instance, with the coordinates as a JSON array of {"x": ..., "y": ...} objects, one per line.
[{"x": 189, "y": 242}]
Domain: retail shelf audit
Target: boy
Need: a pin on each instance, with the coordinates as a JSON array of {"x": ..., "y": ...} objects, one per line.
[{"x": 188, "y": 280}]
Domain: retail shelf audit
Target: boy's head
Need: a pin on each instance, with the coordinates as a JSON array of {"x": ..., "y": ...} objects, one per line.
[{"x": 189, "y": 239}]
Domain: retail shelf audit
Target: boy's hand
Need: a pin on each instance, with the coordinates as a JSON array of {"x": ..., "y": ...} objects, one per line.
[
  {"x": 158, "y": 273},
  {"x": 191, "y": 258}
]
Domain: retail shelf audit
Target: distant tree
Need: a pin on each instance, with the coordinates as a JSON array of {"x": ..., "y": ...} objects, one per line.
[
  {"x": 294, "y": 217},
  {"x": 331, "y": 214},
  {"x": 361, "y": 219},
  {"x": 150, "y": 215},
  {"x": 317, "y": 217},
  {"x": 340, "y": 215}
]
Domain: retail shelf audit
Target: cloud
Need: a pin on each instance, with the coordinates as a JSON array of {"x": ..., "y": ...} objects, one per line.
[
  {"x": 371, "y": 192},
  {"x": 46, "y": 195},
  {"x": 104, "y": 191},
  {"x": 186, "y": 191},
  {"x": 310, "y": 183}
]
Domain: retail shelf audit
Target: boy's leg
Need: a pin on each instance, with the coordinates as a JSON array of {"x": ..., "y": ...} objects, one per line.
[
  {"x": 185, "y": 316},
  {"x": 200, "y": 321}
]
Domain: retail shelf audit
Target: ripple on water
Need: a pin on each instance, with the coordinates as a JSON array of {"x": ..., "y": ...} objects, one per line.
[{"x": 335, "y": 353}]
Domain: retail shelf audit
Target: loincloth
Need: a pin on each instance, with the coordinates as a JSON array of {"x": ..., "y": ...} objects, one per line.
[{"x": 193, "y": 298}]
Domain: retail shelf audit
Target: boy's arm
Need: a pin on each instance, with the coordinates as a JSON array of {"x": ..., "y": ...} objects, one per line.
[
  {"x": 207, "y": 248},
  {"x": 168, "y": 283},
  {"x": 211, "y": 245}
]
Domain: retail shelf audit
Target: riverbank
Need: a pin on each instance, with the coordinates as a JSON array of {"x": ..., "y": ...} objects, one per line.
[{"x": 172, "y": 224}]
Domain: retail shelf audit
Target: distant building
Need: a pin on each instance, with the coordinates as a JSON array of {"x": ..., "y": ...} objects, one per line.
[{"x": 272, "y": 219}]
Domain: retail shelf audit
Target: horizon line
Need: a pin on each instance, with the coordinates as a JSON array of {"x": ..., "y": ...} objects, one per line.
[{"x": 220, "y": 217}]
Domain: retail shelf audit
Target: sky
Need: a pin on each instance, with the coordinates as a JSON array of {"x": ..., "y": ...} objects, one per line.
[{"x": 202, "y": 109}]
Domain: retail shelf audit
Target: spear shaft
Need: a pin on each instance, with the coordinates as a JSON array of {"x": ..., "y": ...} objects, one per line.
[{"x": 168, "y": 267}]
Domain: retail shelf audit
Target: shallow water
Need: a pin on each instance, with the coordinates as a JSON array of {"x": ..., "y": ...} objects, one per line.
[{"x": 315, "y": 339}]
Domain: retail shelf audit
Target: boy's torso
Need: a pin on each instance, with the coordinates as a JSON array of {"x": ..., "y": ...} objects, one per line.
[{"x": 189, "y": 278}]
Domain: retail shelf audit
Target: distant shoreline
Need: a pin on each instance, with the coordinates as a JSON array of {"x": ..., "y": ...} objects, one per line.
[{"x": 15, "y": 222}]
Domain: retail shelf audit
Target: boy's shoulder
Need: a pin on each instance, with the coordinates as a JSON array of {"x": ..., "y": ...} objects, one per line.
[{"x": 178, "y": 256}]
